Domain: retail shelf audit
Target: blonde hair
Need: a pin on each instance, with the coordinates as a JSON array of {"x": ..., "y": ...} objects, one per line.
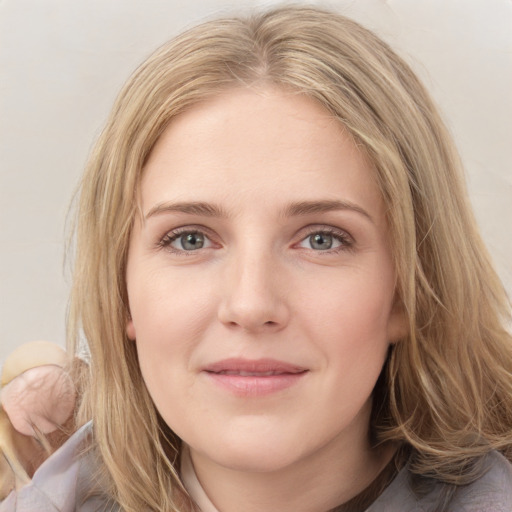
[{"x": 446, "y": 388}]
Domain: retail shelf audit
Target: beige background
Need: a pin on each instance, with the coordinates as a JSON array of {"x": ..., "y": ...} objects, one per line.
[{"x": 62, "y": 62}]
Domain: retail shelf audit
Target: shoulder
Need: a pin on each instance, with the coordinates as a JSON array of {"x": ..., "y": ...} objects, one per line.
[
  {"x": 492, "y": 492},
  {"x": 62, "y": 482}
]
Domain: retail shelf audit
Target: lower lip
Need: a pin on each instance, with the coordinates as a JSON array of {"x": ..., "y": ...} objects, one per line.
[{"x": 253, "y": 386}]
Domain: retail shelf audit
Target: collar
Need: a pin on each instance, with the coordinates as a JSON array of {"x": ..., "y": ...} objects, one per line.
[{"x": 192, "y": 484}]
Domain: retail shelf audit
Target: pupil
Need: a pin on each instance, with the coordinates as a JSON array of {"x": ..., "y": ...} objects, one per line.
[
  {"x": 321, "y": 242},
  {"x": 192, "y": 241}
]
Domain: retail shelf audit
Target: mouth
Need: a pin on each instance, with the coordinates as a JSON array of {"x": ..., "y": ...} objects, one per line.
[
  {"x": 242, "y": 373},
  {"x": 252, "y": 378}
]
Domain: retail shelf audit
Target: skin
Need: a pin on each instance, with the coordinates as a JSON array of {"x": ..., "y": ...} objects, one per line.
[
  {"x": 40, "y": 399},
  {"x": 262, "y": 286},
  {"x": 37, "y": 398}
]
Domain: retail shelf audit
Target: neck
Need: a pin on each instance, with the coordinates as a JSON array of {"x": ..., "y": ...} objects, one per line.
[{"x": 318, "y": 482}]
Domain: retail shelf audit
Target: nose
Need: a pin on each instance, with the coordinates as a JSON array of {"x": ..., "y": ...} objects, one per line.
[{"x": 253, "y": 296}]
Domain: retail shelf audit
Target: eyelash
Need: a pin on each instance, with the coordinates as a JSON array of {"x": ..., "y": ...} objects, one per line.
[
  {"x": 172, "y": 236},
  {"x": 345, "y": 240}
]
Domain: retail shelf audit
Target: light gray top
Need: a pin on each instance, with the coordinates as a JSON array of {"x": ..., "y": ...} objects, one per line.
[
  {"x": 64, "y": 476},
  {"x": 491, "y": 493}
]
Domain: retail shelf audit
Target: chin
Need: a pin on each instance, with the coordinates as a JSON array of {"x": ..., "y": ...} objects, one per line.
[
  {"x": 255, "y": 450},
  {"x": 257, "y": 459}
]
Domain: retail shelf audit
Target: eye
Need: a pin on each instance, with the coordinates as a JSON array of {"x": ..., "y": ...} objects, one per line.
[
  {"x": 327, "y": 240},
  {"x": 185, "y": 241},
  {"x": 190, "y": 242},
  {"x": 321, "y": 241}
]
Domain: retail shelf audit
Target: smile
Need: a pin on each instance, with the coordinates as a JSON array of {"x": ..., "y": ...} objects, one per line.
[
  {"x": 250, "y": 374},
  {"x": 253, "y": 378}
]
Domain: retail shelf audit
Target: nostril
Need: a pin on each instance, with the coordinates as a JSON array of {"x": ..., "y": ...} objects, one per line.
[{"x": 252, "y": 315}]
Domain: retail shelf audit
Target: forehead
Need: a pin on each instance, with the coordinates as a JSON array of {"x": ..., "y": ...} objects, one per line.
[{"x": 254, "y": 145}]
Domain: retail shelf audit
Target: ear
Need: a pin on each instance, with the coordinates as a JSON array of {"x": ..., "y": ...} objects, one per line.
[
  {"x": 130, "y": 330},
  {"x": 398, "y": 322}
]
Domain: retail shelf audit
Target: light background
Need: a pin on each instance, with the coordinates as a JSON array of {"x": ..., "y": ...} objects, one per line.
[{"x": 63, "y": 61}]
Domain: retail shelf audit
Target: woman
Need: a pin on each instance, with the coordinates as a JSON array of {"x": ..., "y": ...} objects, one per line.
[{"x": 286, "y": 300}]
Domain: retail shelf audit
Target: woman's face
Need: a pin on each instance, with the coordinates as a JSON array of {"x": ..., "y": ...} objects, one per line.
[{"x": 260, "y": 282}]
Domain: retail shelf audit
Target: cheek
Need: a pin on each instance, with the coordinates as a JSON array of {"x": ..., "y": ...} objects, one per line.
[
  {"x": 165, "y": 335},
  {"x": 355, "y": 347},
  {"x": 167, "y": 306},
  {"x": 169, "y": 314},
  {"x": 349, "y": 323},
  {"x": 354, "y": 306}
]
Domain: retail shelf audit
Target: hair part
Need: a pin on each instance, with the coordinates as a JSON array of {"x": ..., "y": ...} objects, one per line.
[{"x": 447, "y": 385}]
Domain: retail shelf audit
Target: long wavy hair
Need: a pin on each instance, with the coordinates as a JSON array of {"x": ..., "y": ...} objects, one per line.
[{"x": 446, "y": 388}]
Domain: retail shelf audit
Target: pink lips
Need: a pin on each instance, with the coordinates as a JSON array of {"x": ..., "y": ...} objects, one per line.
[{"x": 260, "y": 377}]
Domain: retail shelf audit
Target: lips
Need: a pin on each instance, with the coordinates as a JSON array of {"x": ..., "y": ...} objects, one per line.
[
  {"x": 249, "y": 374},
  {"x": 259, "y": 366},
  {"x": 254, "y": 378}
]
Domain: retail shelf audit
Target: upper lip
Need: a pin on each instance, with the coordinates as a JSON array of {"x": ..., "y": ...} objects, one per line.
[{"x": 253, "y": 366}]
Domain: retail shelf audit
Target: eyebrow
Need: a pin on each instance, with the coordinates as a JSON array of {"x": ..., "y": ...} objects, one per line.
[
  {"x": 296, "y": 209},
  {"x": 311, "y": 207},
  {"x": 192, "y": 208}
]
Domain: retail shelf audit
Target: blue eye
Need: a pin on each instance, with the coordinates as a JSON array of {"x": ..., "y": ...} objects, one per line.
[
  {"x": 321, "y": 241},
  {"x": 326, "y": 240},
  {"x": 186, "y": 241},
  {"x": 190, "y": 241}
]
